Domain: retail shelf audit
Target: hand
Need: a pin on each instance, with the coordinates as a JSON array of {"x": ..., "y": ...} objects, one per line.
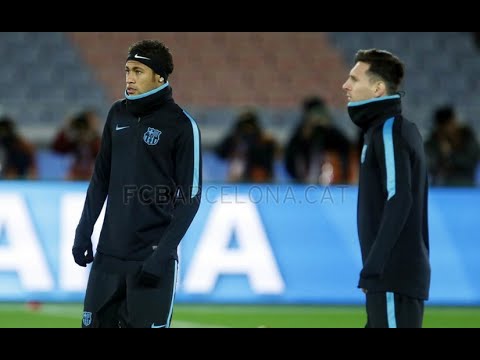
[
  {"x": 82, "y": 251},
  {"x": 151, "y": 271},
  {"x": 147, "y": 279}
]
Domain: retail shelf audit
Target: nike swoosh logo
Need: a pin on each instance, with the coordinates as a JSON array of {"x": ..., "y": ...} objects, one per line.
[
  {"x": 157, "y": 326},
  {"x": 121, "y": 127},
  {"x": 141, "y": 57}
]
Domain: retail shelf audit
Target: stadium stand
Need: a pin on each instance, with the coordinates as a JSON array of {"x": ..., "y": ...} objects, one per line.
[{"x": 53, "y": 74}]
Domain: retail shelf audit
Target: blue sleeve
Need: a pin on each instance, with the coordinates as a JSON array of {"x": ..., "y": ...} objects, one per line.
[
  {"x": 188, "y": 178},
  {"x": 394, "y": 163}
]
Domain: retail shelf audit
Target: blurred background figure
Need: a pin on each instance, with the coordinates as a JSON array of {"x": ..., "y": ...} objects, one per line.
[
  {"x": 452, "y": 149},
  {"x": 476, "y": 38},
  {"x": 249, "y": 150},
  {"x": 17, "y": 155},
  {"x": 81, "y": 139},
  {"x": 318, "y": 152}
]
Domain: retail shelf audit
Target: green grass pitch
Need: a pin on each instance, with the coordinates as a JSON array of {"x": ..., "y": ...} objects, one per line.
[{"x": 238, "y": 316}]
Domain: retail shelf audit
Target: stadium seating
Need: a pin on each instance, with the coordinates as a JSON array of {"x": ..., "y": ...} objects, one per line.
[
  {"x": 442, "y": 67},
  {"x": 53, "y": 74}
]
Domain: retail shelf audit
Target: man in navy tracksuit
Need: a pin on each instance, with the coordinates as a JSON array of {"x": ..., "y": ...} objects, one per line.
[
  {"x": 392, "y": 213},
  {"x": 149, "y": 172}
]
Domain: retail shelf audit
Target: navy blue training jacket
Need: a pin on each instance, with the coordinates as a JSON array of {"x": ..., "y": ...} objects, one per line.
[
  {"x": 392, "y": 209},
  {"x": 149, "y": 172}
]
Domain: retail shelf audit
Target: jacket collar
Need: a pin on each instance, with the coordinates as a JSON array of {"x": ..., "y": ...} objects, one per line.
[
  {"x": 144, "y": 104},
  {"x": 365, "y": 113}
]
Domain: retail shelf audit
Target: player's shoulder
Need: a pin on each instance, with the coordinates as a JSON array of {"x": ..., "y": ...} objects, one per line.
[
  {"x": 185, "y": 118},
  {"x": 118, "y": 103},
  {"x": 406, "y": 133},
  {"x": 114, "y": 109},
  {"x": 409, "y": 130},
  {"x": 117, "y": 106},
  {"x": 395, "y": 126}
]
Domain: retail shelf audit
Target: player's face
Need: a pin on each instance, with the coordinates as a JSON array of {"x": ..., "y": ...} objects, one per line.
[
  {"x": 359, "y": 86},
  {"x": 140, "y": 78}
]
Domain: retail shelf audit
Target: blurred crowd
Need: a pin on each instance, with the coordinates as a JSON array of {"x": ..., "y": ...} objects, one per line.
[
  {"x": 320, "y": 152},
  {"x": 78, "y": 142},
  {"x": 316, "y": 152}
]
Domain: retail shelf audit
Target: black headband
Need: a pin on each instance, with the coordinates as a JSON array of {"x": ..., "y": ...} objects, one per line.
[{"x": 152, "y": 63}]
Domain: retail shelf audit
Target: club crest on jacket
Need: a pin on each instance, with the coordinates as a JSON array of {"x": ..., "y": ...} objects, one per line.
[{"x": 151, "y": 136}]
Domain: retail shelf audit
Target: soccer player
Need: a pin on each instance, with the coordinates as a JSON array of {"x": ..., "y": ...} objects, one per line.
[
  {"x": 149, "y": 172},
  {"x": 392, "y": 208}
]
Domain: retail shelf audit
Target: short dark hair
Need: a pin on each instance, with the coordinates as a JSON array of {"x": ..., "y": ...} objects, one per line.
[
  {"x": 443, "y": 115},
  {"x": 312, "y": 102},
  {"x": 7, "y": 126},
  {"x": 157, "y": 50},
  {"x": 385, "y": 65}
]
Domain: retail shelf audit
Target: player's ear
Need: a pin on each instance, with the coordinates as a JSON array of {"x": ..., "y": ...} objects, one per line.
[{"x": 380, "y": 88}]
